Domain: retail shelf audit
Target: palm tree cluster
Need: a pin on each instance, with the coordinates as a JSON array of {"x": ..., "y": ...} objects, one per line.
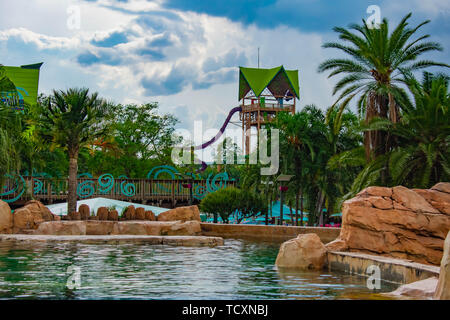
[{"x": 400, "y": 133}]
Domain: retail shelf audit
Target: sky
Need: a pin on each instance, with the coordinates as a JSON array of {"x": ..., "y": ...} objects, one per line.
[{"x": 185, "y": 54}]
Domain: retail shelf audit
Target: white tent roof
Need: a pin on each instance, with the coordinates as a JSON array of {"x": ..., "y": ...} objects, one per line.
[{"x": 95, "y": 203}]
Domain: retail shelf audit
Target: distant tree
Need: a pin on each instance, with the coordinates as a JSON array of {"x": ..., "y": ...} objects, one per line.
[
  {"x": 250, "y": 204},
  {"x": 221, "y": 203},
  {"x": 140, "y": 139},
  {"x": 233, "y": 201}
]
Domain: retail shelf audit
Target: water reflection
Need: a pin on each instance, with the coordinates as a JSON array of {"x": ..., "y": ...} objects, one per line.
[{"x": 241, "y": 269}]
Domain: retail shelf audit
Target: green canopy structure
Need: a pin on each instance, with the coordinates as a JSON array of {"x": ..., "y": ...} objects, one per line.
[
  {"x": 26, "y": 80},
  {"x": 279, "y": 81}
]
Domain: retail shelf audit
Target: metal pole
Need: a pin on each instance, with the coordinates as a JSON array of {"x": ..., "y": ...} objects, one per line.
[
  {"x": 258, "y": 57},
  {"x": 281, "y": 204},
  {"x": 190, "y": 195}
]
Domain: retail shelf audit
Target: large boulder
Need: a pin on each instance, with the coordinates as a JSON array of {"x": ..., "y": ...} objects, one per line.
[
  {"x": 113, "y": 215},
  {"x": 181, "y": 213},
  {"x": 84, "y": 211},
  {"x": 149, "y": 215},
  {"x": 443, "y": 287},
  {"x": 423, "y": 289},
  {"x": 396, "y": 222},
  {"x": 305, "y": 252},
  {"x": 140, "y": 213},
  {"x": 102, "y": 213},
  {"x": 36, "y": 207},
  {"x": 24, "y": 219},
  {"x": 62, "y": 228},
  {"x": 31, "y": 215},
  {"x": 129, "y": 213},
  {"x": 6, "y": 218}
]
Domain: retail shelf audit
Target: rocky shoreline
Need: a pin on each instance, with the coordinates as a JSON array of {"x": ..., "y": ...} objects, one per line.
[{"x": 410, "y": 225}]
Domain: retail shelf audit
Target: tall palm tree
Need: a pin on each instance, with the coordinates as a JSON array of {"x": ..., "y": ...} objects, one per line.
[
  {"x": 71, "y": 119},
  {"x": 373, "y": 72},
  {"x": 423, "y": 158}
]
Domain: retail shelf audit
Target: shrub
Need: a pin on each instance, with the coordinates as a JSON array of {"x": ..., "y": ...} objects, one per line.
[{"x": 228, "y": 201}]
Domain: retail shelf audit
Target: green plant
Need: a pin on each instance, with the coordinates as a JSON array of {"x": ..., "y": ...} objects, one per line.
[
  {"x": 233, "y": 201},
  {"x": 374, "y": 72},
  {"x": 71, "y": 120}
]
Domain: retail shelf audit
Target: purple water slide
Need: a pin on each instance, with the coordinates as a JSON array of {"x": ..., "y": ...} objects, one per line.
[{"x": 217, "y": 136}]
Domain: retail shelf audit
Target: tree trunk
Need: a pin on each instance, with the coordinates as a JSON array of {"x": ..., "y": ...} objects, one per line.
[
  {"x": 301, "y": 206},
  {"x": 393, "y": 109},
  {"x": 297, "y": 195},
  {"x": 72, "y": 190},
  {"x": 290, "y": 211},
  {"x": 320, "y": 206}
]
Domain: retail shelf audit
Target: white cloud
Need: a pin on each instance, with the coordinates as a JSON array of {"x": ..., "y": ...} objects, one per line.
[{"x": 187, "y": 43}]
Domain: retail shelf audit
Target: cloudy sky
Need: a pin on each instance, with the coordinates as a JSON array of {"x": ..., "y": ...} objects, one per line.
[{"x": 185, "y": 54}]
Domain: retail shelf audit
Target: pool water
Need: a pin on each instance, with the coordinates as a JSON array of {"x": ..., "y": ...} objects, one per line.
[{"x": 240, "y": 269}]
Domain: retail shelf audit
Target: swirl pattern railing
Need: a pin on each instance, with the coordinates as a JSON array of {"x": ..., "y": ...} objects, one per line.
[{"x": 162, "y": 183}]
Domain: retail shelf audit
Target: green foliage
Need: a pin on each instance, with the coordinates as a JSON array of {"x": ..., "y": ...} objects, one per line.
[
  {"x": 228, "y": 201},
  {"x": 374, "y": 69},
  {"x": 71, "y": 119},
  {"x": 140, "y": 138}
]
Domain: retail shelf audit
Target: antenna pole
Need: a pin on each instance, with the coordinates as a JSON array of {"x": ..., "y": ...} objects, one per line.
[{"x": 258, "y": 57}]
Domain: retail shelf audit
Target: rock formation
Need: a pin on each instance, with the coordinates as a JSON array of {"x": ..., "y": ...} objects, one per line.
[
  {"x": 423, "y": 289},
  {"x": 85, "y": 211},
  {"x": 36, "y": 207},
  {"x": 397, "y": 222},
  {"x": 102, "y": 213},
  {"x": 149, "y": 215},
  {"x": 6, "y": 218},
  {"x": 130, "y": 213},
  {"x": 62, "y": 228},
  {"x": 181, "y": 213},
  {"x": 75, "y": 216},
  {"x": 24, "y": 219},
  {"x": 140, "y": 213},
  {"x": 92, "y": 227},
  {"x": 443, "y": 286},
  {"x": 113, "y": 215},
  {"x": 30, "y": 216},
  {"x": 304, "y": 252}
]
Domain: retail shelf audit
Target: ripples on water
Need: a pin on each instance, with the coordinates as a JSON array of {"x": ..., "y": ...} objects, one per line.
[{"x": 240, "y": 269}]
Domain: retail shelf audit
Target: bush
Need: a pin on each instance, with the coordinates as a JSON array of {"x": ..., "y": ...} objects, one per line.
[{"x": 228, "y": 201}]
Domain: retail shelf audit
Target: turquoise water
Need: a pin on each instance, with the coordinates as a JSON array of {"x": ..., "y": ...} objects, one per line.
[{"x": 238, "y": 270}]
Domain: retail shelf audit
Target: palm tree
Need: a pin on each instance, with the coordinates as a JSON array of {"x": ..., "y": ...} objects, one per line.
[
  {"x": 422, "y": 159},
  {"x": 71, "y": 120},
  {"x": 374, "y": 72}
]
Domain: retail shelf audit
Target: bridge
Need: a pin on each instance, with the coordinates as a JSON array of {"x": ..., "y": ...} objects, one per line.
[{"x": 18, "y": 189}]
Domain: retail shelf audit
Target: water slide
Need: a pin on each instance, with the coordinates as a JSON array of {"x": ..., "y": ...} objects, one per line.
[{"x": 217, "y": 136}]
